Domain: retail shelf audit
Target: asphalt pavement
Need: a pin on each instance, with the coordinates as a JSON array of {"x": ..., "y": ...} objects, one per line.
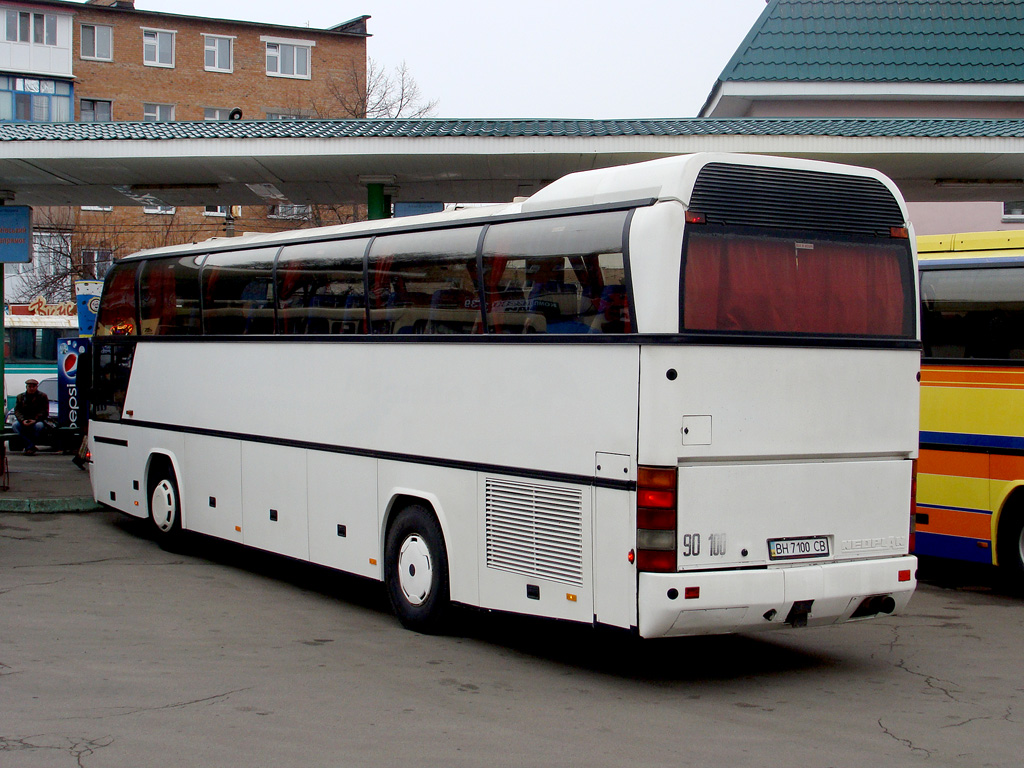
[{"x": 46, "y": 482}]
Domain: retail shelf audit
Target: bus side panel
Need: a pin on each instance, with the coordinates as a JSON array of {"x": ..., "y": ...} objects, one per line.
[
  {"x": 971, "y": 417},
  {"x": 111, "y": 483},
  {"x": 212, "y": 487},
  {"x": 451, "y": 494},
  {"x": 614, "y": 537},
  {"x": 536, "y": 556},
  {"x": 343, "y": 531},
  {"x": 274, "y": 514}
]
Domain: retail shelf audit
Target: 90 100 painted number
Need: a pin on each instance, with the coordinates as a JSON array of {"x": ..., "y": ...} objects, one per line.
[{"x": 691, "y": 544}]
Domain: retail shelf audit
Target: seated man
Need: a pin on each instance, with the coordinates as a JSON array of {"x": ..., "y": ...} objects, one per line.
[{"x": 30, "y": 412}]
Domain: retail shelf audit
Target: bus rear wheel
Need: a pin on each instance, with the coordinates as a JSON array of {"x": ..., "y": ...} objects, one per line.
[
  {"x": 416, "y": 570},
  {"x": 1011, "y": 549},
  {"x": 164, "y": 504}
]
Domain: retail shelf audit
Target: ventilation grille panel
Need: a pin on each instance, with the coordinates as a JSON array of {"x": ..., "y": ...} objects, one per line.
[
  {"x": 744, "y": 195},
  {"x": 535, "y": 530}
]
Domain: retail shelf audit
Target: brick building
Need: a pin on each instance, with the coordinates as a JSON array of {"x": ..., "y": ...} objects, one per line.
[{"x": 105, "y": 60}]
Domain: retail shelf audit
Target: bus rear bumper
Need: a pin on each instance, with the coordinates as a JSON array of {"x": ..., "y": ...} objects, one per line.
[{"x": 718, "y": 602}]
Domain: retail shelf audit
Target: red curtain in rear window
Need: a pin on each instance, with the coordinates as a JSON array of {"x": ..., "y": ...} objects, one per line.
[{"x": 778, "y": 285}]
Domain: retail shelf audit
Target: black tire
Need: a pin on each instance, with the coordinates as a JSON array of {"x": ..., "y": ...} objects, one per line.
[
  {"x": 1011, "y": 547},
  {"x": 416, "y": 570},
  {"x": 164, "y": 504}
]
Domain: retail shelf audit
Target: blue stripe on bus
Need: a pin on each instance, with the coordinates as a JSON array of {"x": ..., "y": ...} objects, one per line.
[
  {"x": 920, "y": 505},
  {"x": 1003, "y": 442},
  {"x": 953, "y": 547}
]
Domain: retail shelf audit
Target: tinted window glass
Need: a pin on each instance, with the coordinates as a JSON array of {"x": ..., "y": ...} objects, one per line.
[
  {"x": 973, "y": 313},
  {"x": 320, "y": 288},
  {"x": 117, "y": 305},
  {"x": 784, "y": 284},
  {"x": 425, "y": 282},
  {"x": 564, "y": 275},
  {"x": 169, "y": 289},
  {"x": 238, "y": 292},
  {"x": 112, "y": 367}
]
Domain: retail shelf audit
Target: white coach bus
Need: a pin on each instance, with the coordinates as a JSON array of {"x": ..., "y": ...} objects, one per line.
[{"x": 677, "y": 397}]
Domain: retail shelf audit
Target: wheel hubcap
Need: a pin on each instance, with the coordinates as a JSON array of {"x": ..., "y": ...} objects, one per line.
[
  {"x": 415, "y": 572},
  {"x": 162, "y": 506}
]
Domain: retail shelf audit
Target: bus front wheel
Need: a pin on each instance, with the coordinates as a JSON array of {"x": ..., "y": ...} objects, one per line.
[
  {"x": 164, "y": 504},
  {"x": 416, "y": 570}
]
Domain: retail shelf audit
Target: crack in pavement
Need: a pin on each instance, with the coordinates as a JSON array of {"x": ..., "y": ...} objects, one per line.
[
  {"x": 79, "y": 747},
  {"x": 66, "y": 565},
  {"x": 931, "y": 681},
  {"x": 5, "y": 590},
  {"x": 905, "y": 742},
  {"x": 175, "y": 705}
]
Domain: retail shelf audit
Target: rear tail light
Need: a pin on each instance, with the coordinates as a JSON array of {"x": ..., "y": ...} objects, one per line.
[{"x": 656, "y": 515}]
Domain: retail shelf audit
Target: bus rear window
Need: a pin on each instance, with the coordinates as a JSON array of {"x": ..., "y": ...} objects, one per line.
[{"x": 777, "y": 284}]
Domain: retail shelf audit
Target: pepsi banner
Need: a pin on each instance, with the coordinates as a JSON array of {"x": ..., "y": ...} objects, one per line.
[
  {"x": 72, "y": 367},
  {"x": 87, "y": 294}
]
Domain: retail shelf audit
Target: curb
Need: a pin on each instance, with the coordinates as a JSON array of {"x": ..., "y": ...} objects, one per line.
[{"x": 66, "y": 504}]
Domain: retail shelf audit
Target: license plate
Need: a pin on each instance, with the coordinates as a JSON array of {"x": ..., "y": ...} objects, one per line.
[{"x": 798, "y": 548}]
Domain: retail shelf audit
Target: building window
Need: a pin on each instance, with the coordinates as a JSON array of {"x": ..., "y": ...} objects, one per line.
[
  {"x": 105, "y": 208},
  {"x": 288, "y": 58},
  {"x": 1013, "y": 211},
  {"x": 97, "y": 42},
  {"x": 94, "y": 111},
  {"x": 36, "y": 28},
  {"x": 286, "y": 116},
  {"x": 166, "y": 210},
  {"x": 218, "y": 53},
  {"x": 95, "y": 262},
  {"x": 217, "y": 113},
  {"x": 290, "y": 211},
  {"x": 217, "y": 210},
  {"x": 34, "y": 100},
  {"x": 157, "y": 113},
  {"x": 158, "y": 48}
]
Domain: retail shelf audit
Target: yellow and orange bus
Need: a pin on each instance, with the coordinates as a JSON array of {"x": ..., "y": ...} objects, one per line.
[{"x": 970, "y": 486}]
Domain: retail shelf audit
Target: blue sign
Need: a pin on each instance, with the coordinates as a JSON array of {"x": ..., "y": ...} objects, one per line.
[
  {"x": 15, "y": 234},
  {"x": 72, "y": 360}
]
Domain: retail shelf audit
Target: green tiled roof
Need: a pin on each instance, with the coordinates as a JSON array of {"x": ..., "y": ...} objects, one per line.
[
  {"x": 896, "y": 41},
  {"x": 505, "y": 129}
]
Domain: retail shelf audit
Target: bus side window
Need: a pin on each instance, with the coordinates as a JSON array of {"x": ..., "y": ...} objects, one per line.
[
  {"x": 425, "y": 282},
  {"x": 170, "y": 297},
  {"x": 238, "y": 292},
  {"x": 558, "y": 275},
  {"x": 320, "y": 288}
]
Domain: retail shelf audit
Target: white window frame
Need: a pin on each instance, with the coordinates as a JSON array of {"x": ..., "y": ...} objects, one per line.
[
  {"x": 279, "y": 45},
  {"x": 290, "y": 211},
  {"x": 95, "y": 56},
  {"x": 105, "y": 208},
  {"x": 210, "y": 44},
  {"x": 162, "y": 210},
  {"x": 222, "y": 210},
  {"x": 155, "y": 110},
  {"x": 28, "y": 24},
  {"x": 154, "y": 46},
  {"x": 218, "y": 113}
]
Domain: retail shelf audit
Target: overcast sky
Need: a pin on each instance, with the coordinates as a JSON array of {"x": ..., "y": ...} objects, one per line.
[{"x": 531, "y": 58}]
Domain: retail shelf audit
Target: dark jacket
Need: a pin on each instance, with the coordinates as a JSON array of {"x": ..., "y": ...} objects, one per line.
[{"x": 32, "y": 405}]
